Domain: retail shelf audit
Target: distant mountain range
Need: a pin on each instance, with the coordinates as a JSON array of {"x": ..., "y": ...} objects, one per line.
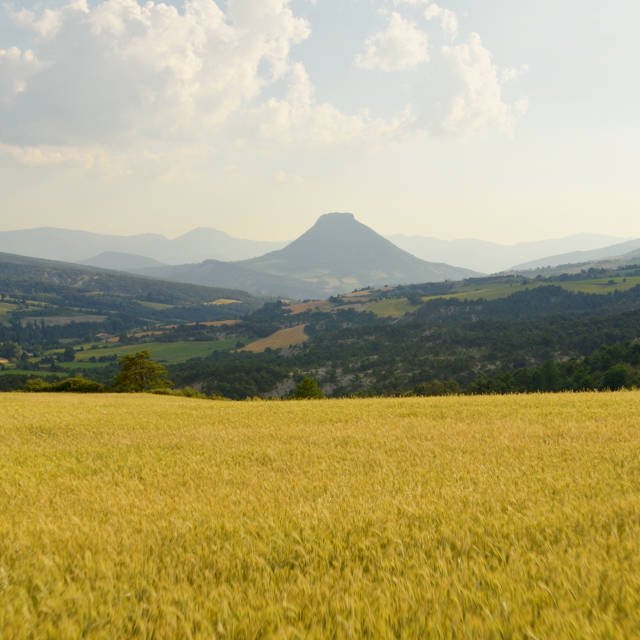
[
  {"x": 338, "y": 254},
  {"x": 85, "y": 247},
  {"x": 491, "y": 257},
  {"x": 205, "y": 243}
]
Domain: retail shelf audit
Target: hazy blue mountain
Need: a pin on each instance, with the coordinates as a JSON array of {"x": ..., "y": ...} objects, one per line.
[
  {"x": 580, "y": 257},
  {"x": 203, "y": 244},
  {"x": 339, "y": 253},
  {"x": 121, "y": 261},
  {"x": 197, "y": 246},
  {"x": 79, "y": 246},
  {"x": 491, "y": 257},
  {"x": 74, "y": 246}
]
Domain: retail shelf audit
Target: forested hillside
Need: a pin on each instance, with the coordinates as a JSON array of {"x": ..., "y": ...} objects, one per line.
[{"x": 481, "y": 334}]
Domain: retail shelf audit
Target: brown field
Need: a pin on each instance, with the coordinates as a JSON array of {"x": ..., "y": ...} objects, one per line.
[
  {"x": 312, "y": 305},
  {"x": 279, "y": 340},
  {"x": 224, "y": 301}
]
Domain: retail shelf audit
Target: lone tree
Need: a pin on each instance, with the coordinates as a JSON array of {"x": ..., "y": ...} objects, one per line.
[
  {"x": 307, "y": 388},
  {"x": 138, "y": 372}
]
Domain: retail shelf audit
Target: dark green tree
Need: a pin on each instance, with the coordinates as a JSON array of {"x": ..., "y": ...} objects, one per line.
[
  {"x": 307, "y": 388},
  {"x": 10, "y": 350},
  {"x": 138, "y": 372},
  {"x": 616, "y": 377}
]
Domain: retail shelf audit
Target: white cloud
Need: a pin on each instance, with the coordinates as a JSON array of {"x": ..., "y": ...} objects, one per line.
[
  {"x": 512, "y": 73},
  {"x": 121, "y": 73},
  {"x": 477, "y": 103},
  {"x": 448, "y": 19},
  {"x": 402, "y": 45},
  {"x": 45, "y": 156},
  {"x": 431, "y": 11},
  {"x": 299, "y": 118},
  {"x": 131, "y": 83},
  {"x": 460, "y": 91},
  {"x": 16, "y": 68}
]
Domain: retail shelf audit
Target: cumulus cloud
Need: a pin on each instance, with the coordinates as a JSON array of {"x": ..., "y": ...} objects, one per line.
[
  {"x": 16, "y": 68},
  {"x": 121, "y": 83},
  {"x": 122, "y": 68},
  {"x": 460, "y": 90},
  {"x": 120, "y": 72},
  {"x": 299, "y": 117},
  {"x": 431, "y": 11},
  {"x": 448, "y": 19},
  {"x": 479, "y": 104},
  {"x": 402, "y": 45}
]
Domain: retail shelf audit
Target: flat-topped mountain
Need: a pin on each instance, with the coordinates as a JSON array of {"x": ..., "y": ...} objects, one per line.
[{"x": 339, "y": 252}]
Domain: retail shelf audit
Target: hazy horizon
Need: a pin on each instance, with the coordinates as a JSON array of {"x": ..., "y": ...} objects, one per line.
[{"x": 508, "y": 123}]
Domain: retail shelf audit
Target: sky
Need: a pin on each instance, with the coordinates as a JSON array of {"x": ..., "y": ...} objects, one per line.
[{"x": 505, "y": 120}]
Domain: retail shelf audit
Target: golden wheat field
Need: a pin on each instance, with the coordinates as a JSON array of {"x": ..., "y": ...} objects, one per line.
[{"x": 159, "y": 517}]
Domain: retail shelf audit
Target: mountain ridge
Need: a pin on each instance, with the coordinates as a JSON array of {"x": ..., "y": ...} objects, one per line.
[
  {"x": 614, "y": 251},
  {"x": 206, "y": 243},
  {"x": 72, "y": 245},
  {"x": 493, "y": 257}
]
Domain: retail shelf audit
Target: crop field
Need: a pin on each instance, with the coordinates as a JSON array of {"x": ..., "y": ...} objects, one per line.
[{"x": 140, "y": 516}]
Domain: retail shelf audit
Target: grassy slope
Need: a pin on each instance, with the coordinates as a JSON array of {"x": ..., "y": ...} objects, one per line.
[
  {"x": 390, "y": 307},
  {"x": 502, "y": 290},
  {"x": 141, "y": 516}
]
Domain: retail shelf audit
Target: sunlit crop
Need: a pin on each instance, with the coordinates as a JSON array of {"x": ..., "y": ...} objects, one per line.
[{"x": 158, "y": 517}]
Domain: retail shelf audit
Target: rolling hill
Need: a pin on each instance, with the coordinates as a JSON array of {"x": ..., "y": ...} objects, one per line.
[
  {"x": 121, "y": 261},
  {"x": 45, "y": 289},
  {"x": 235, "y": 275}
]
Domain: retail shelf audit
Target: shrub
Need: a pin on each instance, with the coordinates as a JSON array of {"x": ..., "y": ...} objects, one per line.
[{"x": 76, "y": 384}]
